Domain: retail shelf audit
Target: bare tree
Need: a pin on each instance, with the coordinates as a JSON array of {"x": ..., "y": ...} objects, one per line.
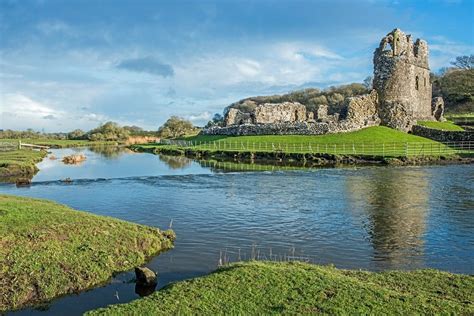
[{"x": 464, "y": 62}]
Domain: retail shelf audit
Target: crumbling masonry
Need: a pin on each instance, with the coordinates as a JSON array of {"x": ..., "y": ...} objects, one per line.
[{"x": 401, "y": 95}]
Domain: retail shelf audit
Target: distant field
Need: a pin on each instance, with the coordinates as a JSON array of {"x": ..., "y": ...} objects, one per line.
[
  {"x": 445, "y": 126},
  {"x": 373, "y": 141},
  {"x": 59, "y": 143},
  {"x": 295, "y": 288}
]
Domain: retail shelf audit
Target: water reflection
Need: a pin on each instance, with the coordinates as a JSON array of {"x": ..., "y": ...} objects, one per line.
[
  {"x": 392, "y": 206},
  {"x": 176, "y": 162},
  {"x": 110, "y": 152}
]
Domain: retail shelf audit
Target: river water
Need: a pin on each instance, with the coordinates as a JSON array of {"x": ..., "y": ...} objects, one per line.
[{"x": 373, "y": 218}]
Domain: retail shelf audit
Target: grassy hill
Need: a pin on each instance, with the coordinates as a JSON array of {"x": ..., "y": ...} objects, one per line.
[
  {"x": 48, "y": 249},
  {"x": 372, "y": 141},
  {"x": 262, "y": 288}
]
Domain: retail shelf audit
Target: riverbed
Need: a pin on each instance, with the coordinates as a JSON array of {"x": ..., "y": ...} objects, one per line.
[{"x": 373, "y": 218}]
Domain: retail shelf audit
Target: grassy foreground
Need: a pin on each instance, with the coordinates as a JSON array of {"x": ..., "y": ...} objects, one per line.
[
  {"x": 444, "y": 126},
  {"x": 20, "y": 162},
  {"x": 260, "y": 288},
  {"x": 48, "y": 249}
]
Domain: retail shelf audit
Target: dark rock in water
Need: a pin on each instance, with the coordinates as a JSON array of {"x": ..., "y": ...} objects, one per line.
[
  {"x": 22, "y": 182},
  {"x": 144, "y": 290},
  {"x": 145, "y": 276}
]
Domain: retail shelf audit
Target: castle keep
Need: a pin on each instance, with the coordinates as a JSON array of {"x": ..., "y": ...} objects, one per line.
[
  {"x": 401, "y": 95},
  {"x": 402, "y": 80}
]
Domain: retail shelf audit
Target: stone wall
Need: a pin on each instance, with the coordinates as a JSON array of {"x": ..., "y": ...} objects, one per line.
[
  {"x": 269, "y": 113},
  {"x": 362, "y": 110},
  {"x": 443, "y": 136}
]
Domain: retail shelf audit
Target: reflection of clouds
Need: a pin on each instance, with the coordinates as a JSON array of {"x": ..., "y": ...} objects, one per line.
[{"x": 392, "y": 204}]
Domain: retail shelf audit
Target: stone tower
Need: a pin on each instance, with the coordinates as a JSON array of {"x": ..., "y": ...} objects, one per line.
[{"x": 402, "y": 80}]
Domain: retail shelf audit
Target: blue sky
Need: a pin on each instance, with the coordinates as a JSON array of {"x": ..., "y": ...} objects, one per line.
[{"x": 76, "y": 64}]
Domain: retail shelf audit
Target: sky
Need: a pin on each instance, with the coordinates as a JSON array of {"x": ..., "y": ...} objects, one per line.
[{"x": 79, "y": 63}]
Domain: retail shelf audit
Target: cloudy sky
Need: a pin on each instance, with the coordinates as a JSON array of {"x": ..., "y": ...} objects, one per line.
[{"x": 76, "y": 64}]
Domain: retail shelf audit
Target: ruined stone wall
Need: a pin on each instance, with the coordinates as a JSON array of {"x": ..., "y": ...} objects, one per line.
[
  {"x": 269, "y": 113},
  {"x": 402, "y": 80},
  {"x": 443, "y": 136}
]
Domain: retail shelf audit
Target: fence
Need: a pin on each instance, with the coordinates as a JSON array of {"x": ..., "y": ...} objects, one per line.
[{"x": 389, "y": 149}]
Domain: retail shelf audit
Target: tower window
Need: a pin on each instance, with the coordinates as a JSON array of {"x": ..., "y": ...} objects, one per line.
[
  {"x": 416, "y": 82},
  {"x": 425, "y": 81}
]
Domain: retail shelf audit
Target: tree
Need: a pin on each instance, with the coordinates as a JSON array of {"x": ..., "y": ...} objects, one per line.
[
  {"x": 464, "y": 62},
  {"x": 217, "y": 120},
  {"x": 176, "y": 127},
  {"x": 108, "y": 131},
  {"x": 76, "y": 134},
  {"x": 368, "y": 82}
]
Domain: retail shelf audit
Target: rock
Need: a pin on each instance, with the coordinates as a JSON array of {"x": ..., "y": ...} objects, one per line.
[
  {"x": 437, "y": 108},
  {"x": 74, "y": 159},
  {"x": 145, "y": 276},
  {"x": 322, "y": 112}
]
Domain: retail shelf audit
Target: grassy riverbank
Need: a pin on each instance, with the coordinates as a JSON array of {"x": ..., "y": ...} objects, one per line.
[
  {"x": 20, "y": 163},
  {"x": 370, "y": 142},
  {"x": 48, "y": 249},
  {"x": 259, "y": 288}
]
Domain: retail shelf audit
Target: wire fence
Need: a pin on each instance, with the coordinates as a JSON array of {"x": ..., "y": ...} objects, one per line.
[{"x": 389, "y": 149}]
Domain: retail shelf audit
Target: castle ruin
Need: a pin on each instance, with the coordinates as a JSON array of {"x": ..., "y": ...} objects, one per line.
[{"x": 401, "y": 95}]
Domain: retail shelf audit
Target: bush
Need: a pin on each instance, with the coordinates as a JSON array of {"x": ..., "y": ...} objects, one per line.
[
  {"x": 176, "y": 127},
  {"x": 109, "y": 131},
  {"x": 456, "y": 86}
]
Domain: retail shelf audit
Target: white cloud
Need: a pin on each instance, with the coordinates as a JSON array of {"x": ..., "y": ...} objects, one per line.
[{"x": 201, "y": 117}]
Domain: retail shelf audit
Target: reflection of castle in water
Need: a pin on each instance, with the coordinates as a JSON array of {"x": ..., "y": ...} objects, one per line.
[{"x": 392, "y": 204}]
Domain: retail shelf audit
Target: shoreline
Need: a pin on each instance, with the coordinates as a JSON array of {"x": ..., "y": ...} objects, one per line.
[{"x": 302, "y": 159}]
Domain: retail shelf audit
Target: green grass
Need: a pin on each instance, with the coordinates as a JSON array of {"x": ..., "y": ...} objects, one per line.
[
  {"x": 60, "y": 143},
  {"x": 372, "y": 141},
  {"x": 20, "y": 162},
  {"x": 48, "y": 249},
  {"x": 378, "y": 134},
  {"x": 444, "y": 126},
  {"x": 262, "y": 288}
]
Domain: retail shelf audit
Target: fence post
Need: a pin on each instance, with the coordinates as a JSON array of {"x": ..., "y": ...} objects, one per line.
[{"x": 19, "y": 144}]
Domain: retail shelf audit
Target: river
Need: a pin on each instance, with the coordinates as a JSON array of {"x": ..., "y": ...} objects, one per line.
[{"x": 373, "y": 218}]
